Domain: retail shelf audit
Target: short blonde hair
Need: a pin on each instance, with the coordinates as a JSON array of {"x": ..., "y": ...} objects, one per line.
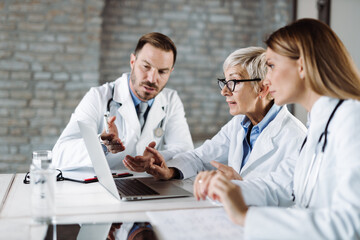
[
  {"x": 329, "y": 69},
  {"x": 252, "y": 59}
]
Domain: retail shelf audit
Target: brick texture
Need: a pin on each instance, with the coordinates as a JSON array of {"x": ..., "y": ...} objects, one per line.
[
  {"x": 46, "y": 48},
  {"x": 53, "y": 51}
]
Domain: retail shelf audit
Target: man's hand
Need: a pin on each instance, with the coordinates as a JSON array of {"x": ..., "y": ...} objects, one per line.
[
  {"x": 111, "y": 140},
  {"x": 229, "y": 172},
  {"x": 158, "y": 167},
  {"x": 113, "y": 229},
  {"x": 140, "y": 163}
]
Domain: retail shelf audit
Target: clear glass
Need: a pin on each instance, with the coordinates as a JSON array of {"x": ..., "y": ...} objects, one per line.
[
  {"x": 42, "y": 181},
  {"x": 42, "y": 158}
]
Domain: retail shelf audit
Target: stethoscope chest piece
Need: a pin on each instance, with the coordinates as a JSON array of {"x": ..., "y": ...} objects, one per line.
[{"x": 158, "y": 132}]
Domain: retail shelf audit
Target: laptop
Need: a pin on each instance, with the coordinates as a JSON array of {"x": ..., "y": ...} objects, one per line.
[{"x": 125, "y": 189}]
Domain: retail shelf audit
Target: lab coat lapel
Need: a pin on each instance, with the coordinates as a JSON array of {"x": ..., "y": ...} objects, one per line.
[
  {"x": 264, "y": 144},
  {"x": 127, "y": 109},
  {"x": 318, "y": 121},
  {"x": 236, "y": 155}
]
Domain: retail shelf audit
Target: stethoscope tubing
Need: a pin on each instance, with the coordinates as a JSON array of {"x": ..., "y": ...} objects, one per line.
[
  {"x": 158, "y": 132},
  {"x": 313, "y": 160}
]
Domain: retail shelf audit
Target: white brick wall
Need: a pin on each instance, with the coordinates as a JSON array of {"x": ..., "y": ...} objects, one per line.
[{"x": 52, "y": 52}]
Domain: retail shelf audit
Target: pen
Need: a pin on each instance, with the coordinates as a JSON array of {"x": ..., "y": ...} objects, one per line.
[
  {"x": 114, "y": 175},
  {"x": 121, "y": 175},
  {"x": 106, "y": 123},
  {"x": 90, "y": 180},
  {"x": 87, "y": 180}
]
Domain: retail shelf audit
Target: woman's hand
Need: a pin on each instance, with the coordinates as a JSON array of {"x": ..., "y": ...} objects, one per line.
[
  {"x": 229, "y": 194},
  {"x": 228, "y": 171},
  {"x": 201, "y": 184}
]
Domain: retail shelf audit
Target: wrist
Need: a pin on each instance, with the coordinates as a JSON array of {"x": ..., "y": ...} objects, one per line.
[
  {"x": 175, "y": 173},
  {"x": 172, "y": 173},
  {"x": 104, "y": 147},
  {"x": 242, "y": 217}
]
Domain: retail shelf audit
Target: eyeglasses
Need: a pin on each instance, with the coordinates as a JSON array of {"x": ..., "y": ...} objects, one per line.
[
  {"x": 59, "y": 177},
  {"x": 232, "y": 83}
]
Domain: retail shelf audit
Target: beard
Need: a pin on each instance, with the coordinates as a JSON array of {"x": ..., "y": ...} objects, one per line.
[{"x": 143, "y": 94}]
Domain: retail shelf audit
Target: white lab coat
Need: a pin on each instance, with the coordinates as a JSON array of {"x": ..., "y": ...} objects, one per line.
[
  {"x": 334, "y": 209},
  {"x": 167, "y": 111},
  {"x": 278, "y": 140}
]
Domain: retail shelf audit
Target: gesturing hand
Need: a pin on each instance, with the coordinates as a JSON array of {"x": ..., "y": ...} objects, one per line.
[
  {"x": 140, "y": 163},
  {"x": 111, "y": 140},
  {"x": 158, "y": 167}
]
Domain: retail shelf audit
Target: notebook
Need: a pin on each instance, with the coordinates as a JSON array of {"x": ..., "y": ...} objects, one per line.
[{"x": 154, "y": 188}]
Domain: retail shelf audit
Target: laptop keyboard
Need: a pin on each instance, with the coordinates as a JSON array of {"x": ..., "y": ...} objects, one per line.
[{"x": 133, "y": 187}]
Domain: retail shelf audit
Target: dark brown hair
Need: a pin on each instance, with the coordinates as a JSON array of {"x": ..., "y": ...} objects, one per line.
[{"x": 157, "y": 40}]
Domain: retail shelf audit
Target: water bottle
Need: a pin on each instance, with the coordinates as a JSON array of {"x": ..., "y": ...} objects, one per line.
[{"x": 42, "y": 181}]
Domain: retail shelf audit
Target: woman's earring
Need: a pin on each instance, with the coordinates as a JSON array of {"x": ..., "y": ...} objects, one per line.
[
  {"x": 301, "y": 75},
  {"x": 260, "y": 97}
]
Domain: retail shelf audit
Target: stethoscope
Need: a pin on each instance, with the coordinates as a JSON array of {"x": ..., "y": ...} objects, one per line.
[
  {"x": 316, "y": 155},
  {"x": 158, "y": 132}
]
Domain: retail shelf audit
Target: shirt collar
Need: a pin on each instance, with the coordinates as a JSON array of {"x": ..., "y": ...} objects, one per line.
[
  {"x": 245, "y": 123},
  {"x": 270, "y": 115},
  {"x": 135, "y": 99}
]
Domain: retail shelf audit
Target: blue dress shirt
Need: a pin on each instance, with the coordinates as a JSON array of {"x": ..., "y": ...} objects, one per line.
[
  {"x": 137, "y": 101},
  {"x": 256, "y": 131}
]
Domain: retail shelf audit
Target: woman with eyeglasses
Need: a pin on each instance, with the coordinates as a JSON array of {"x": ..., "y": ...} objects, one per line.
[
  {"x": 307, "y": 64},
  {"x": 252, "y": 144}
]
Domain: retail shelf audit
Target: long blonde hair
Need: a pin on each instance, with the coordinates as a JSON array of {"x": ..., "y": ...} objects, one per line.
[{"x": 329, "y": 69}]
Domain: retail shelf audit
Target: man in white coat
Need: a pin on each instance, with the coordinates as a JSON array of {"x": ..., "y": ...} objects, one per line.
[
  {"x": 141, "y": 110},
  {"x": 252, "y": 144}
]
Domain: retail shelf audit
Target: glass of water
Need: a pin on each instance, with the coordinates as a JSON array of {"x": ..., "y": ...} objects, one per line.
[{"x": 42, "y": 181}]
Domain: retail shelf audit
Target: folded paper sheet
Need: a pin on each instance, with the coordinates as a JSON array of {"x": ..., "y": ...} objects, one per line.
[{"x": 209, "y": 223}]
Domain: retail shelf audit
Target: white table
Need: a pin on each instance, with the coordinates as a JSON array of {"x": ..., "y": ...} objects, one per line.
[
  {"x": 81, "y": 203},
  {"x": 6, "y": 181}
]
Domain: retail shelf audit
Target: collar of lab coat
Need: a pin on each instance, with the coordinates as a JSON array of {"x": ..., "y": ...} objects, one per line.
[
  {"x": 265, "y": 143},
  {"x": 128, "y": 112}
]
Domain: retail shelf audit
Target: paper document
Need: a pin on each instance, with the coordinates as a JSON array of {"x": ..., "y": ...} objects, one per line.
[{"x": 208, "y": 223}]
